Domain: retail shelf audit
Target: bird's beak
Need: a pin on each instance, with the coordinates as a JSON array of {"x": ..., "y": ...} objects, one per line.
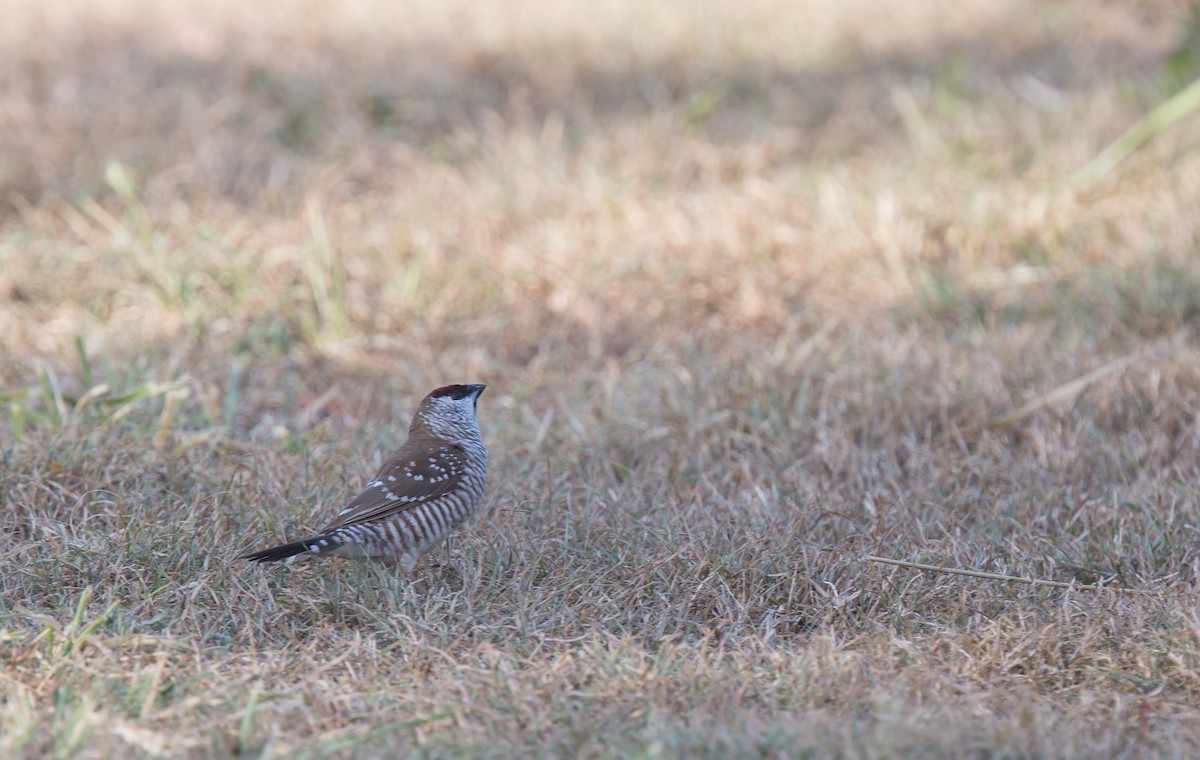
[{"x": 476, "y": 392}]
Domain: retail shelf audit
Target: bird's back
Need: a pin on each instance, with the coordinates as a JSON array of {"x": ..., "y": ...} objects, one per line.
[{"x": 422, "y": 492}]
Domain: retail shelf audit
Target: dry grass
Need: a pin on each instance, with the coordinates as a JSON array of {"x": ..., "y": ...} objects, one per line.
[{"x": 759, "y": 293}]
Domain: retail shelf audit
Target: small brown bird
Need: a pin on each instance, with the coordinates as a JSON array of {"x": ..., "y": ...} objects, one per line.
[{"x": 429, "y": 486}]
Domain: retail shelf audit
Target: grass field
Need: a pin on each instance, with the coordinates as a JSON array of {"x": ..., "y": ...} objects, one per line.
[{"x": 760, "y": 290}]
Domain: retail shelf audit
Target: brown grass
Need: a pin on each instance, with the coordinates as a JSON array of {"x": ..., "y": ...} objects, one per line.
[{"x": 760, "y": 290}]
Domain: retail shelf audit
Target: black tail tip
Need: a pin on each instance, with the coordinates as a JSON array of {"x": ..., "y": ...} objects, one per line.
[{"x": 318, "y": 545}]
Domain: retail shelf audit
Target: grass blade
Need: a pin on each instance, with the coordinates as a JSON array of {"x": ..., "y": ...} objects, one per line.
[{"x": 1175, "y": 109}]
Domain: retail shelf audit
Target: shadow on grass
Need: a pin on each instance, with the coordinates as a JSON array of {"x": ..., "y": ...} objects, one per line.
[{"x": 249, "y": 126}]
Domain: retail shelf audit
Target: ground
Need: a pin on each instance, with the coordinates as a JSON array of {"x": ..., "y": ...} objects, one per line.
[{"x": 760, "y": 290}]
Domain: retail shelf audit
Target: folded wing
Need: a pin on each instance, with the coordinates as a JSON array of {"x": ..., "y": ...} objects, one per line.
[{"x": 408, "y": 478}]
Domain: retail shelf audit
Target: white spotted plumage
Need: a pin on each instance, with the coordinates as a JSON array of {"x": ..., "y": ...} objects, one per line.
[{"x": 407, "y": 509}]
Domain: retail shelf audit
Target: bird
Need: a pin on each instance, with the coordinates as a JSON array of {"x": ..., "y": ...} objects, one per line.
[{"x": 432, "y": 484}]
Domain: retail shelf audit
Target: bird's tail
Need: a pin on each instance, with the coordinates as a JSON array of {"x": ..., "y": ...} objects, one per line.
[{"x": 316, "y": 545}]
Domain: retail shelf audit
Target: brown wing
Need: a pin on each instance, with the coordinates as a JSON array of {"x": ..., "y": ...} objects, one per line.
[{"x": 408, "y": 478}]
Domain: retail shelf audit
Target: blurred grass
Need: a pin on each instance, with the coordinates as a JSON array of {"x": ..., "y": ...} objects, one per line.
[{"x": 748, "y": 284}]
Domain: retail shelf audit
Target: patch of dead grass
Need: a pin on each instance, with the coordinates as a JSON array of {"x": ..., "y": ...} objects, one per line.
[{"x": 748, "y": 287}]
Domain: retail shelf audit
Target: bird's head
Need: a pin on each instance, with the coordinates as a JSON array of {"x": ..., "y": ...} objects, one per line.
[{"x": 449, "y": 412}]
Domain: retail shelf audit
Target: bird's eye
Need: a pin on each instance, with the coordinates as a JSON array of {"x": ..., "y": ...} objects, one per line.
[{"x": 458, "y": 395}]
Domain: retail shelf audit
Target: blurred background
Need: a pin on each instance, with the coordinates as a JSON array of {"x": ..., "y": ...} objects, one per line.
[{"x": 283, "y": 194}]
